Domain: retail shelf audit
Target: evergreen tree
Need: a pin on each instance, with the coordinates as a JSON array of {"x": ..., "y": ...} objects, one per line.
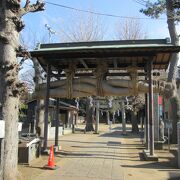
[{"x": 172, "y": 10}]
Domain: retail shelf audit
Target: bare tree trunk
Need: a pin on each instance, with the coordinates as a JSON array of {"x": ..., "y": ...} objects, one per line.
[
  {"x": 174, "y": 39},
  {"x": 11, "y": 138},
  {"x": 175, "y": 101},
  {"x": 40, "y": 118},
  {"x": 40, "y": 102},
  {"x": 175, "y": 106},
  {"x": 10, "y": 89},
  {"x": 89, "y": 116},
  {"x": 134, "y": 122},
  {"x": 10, "y": 102}
]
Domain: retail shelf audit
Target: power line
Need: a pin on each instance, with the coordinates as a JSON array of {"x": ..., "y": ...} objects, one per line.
[{"x": 98, "y": 13}]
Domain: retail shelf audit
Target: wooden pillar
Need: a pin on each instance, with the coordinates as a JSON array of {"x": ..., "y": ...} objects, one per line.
[
  {"x": 46, "y": 113},
  {"x": 147, "y": 120},
  {"x": 147, "y": 110},
  {"x": 97, "y": 118},
  {"x": 57, "y": 123},
  {"x": 151, "y": 114}
]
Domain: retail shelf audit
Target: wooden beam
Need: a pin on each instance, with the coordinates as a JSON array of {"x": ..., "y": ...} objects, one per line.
[
  {"x": 93, "y": 64},
  {"x": 107, "y": 74}
]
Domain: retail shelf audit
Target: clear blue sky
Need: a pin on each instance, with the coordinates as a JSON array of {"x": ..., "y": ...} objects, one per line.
[{"x": 56, "y": 16}]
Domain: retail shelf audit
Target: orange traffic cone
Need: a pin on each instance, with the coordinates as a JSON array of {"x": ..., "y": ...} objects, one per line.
[{"x": 51, "y": 164}]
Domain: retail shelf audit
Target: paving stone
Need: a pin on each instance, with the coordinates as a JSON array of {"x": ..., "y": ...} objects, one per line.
[{"x": 107, "y": 156}]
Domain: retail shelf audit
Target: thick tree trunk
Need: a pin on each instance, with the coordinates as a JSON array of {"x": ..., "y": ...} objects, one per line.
[
  {"x": 40, "y": 102},
  {"x": 40, "y": 118},
  {"x": 11, "y": 138},
  {"x": 134, "y": 122},
  {"x": 10, "y": 89},
  {"x": 175, "y": 100},
  {"x": 174, "y": 39},
  {"x": 10, "y": 102},
  {"x": 175, "y": 106},
  {"x": 89, "y": 116}
]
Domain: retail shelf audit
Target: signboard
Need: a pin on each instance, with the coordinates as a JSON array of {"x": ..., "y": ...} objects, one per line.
[{"x": 2, "y": 129}]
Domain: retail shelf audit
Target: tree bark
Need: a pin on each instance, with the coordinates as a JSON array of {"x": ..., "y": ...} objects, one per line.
[
  {"x": 11, "y": 138},
  {"x": 174, "y": 39},
  {"x": 40, "y": 102},
  {"x": 175, "y": 106},
  {"x": 174, "y": 100},
  {"x": 9, "y": 97},
  {"x": 89, "y": 116},
  {"x": 40, "y": 118},
  {"x": 10, "y": 89},
  {"x": 134, "y": 122}
]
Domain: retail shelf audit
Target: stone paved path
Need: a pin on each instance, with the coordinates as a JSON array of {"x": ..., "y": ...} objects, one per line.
[
  {"x": 90, "y": 156},
  {"x": 108, "y": 155}
]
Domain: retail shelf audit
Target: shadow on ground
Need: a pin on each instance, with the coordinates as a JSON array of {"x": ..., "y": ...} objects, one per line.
[
  {"x": 162, "y": 165},
  {"x": 118, "y": 134},
  {"x": 98, "y": 155}
]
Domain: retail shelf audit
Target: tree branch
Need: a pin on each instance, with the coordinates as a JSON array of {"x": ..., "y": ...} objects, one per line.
[
  {"x": 27, "y": 4},
  {"x": 21, "y": 52},
  {"x": 39, "y": 6},
  {"x": 19, "y": 23}
]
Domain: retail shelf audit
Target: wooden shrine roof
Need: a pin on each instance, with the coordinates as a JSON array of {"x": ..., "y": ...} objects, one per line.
[{"x": 117, "y": 54}]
